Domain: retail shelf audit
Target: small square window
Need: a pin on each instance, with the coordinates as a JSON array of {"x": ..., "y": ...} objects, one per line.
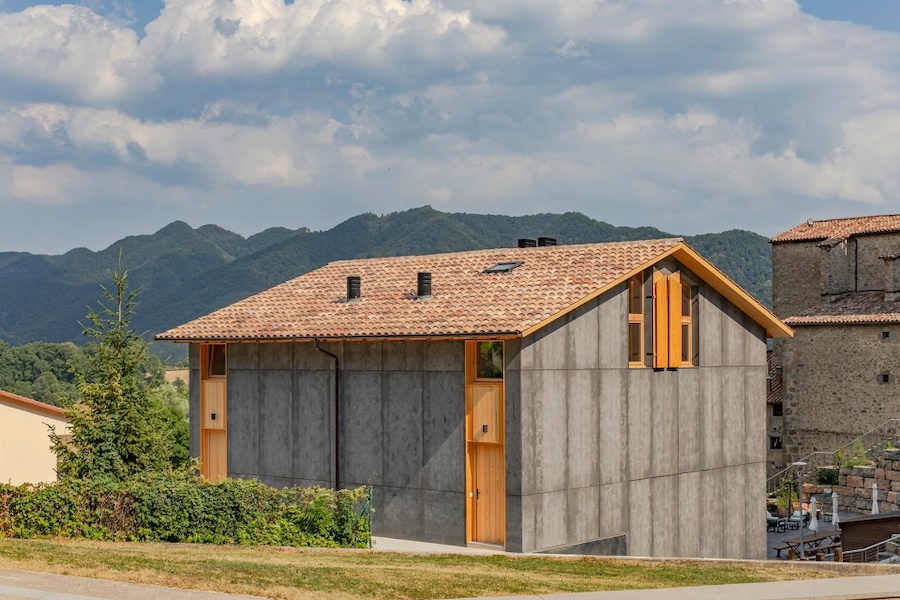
[
  {"x": 777, "y": 410},
  {"x": 885, "y": 335},
  {"x": 884, "y": 378},
  {"x": 775, "y": 442}
]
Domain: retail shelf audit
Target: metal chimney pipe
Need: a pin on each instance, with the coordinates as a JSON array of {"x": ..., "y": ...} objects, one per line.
[
  {"x": 353, "y": 287},
  {"x": 526, "y": 243},
  {"x": 546, "y": 241},
  {"x": 423, "y": 284}
]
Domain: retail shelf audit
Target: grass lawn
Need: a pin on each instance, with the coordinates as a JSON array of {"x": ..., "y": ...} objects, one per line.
[{"x": 348, "y": 574}]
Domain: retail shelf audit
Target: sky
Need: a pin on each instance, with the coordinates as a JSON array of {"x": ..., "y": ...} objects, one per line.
[{"x": 118, "y": 117}]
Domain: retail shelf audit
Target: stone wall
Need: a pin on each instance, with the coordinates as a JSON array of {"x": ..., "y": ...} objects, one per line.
[
  {"x": 832, "y": 392},
  {"x": 854, "y": 487}
]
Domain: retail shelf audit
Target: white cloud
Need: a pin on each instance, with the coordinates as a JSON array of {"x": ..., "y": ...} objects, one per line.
[{"x": 692, "y": 116}]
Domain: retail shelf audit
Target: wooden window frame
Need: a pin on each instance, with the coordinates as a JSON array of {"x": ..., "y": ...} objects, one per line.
[
  {"x": 206, "y": 360},
  {"x": 636, "y": 291},
  {"x": 475, "y": 358},
  {"x": 672, "y": 328}
]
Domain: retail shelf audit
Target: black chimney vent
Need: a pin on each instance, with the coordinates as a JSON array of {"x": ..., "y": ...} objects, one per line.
[
  {"x": 546, "y": 241},
  {"x": 353, "y": 286},
  {"x": 423, "y": 285},
  {"x": 526, "y": 243}
]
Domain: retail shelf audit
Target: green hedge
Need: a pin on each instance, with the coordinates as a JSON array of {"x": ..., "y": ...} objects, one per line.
[{"x": 181, "y": 507}]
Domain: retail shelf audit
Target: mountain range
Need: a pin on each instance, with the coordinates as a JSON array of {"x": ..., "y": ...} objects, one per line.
[{"x": 186, "y": 272}]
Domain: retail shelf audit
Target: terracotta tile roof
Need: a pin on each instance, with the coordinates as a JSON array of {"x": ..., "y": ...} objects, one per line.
[
  {"x": 857, "y": 308},
  {"x": 32, "y": 405},
  {"x": 832, "y": 231},
  {"x": 465, "y": 302}
]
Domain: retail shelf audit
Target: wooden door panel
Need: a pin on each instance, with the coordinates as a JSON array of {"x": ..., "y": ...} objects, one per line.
[
  {"x": 490, "y": 517},
  {"x": 484, "y": 411},
  {"x": 215, "y": 459},
  {"x": 213, "y": 395}
]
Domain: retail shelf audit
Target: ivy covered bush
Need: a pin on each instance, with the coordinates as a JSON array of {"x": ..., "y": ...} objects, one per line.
[{"x": 178, "y": 506}]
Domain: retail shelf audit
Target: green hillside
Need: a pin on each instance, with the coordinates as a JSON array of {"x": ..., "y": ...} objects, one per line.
[{"x": 188, "y": 272}]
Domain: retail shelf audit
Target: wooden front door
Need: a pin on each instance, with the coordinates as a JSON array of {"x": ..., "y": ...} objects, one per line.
[
  {"x": 485, "y": 460},
  {"x": 213, "y": 413}
]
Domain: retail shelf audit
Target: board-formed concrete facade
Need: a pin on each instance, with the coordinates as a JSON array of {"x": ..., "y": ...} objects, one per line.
[{"x": 599, "y": 457}]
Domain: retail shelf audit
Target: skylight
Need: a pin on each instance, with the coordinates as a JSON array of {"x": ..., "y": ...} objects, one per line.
[{"x": 504, "y": 267}]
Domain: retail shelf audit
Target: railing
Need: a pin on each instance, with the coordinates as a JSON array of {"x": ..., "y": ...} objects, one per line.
[
  {"x": 873, "y": 441},
  {"x": 886, "y": 551}
]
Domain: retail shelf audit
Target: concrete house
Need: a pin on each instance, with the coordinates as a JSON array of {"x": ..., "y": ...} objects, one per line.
[
  {"x": 836, "y": 282},
  {"x": 25, "y": 454},
  {"x": 599, "y": 398}
]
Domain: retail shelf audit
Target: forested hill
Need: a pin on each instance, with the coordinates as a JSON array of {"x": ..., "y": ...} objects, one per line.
[{"x": 188, "y": 272}]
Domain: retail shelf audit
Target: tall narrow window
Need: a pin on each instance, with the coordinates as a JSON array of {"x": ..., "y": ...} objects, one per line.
[
  {"x": 687, "y": 326},
  {"x": 636, "y": 321},
  {"x": 489, "y": 360}
]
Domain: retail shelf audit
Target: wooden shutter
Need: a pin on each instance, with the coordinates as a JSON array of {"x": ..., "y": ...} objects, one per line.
[
  {"x": 674, "y": 317},
  {"x": 660, "y": 321}
]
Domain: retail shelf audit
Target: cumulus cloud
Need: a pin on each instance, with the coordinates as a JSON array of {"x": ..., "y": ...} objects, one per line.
[{"x": 693, "y": 116}]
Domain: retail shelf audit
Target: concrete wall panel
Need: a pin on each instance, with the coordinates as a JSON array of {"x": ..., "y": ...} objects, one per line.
[
  {"x": 735, "y": 509},
  {"x": 444, "y": 517},
  {"x": 363, "y": 356},
  {"x": 733, "y": 416},
  {"x": 194, "y": 400},
  {"x": 403, "y": 432},
  {"x": 613, "y": 509},
  {"x": 313, "y": 425},
  {"x": 551, "y": 520},
  {"x": 403, "y": 512},
  {"x": 362, "y": 429},
  {"x": 582, "y": 335},
  {"x": 275, "y": 356},
  {"x": 550, "y": 427},
  {"x": 712, "y": 320},
  {"x": 404, "y": 356},
  {"x": 613, "y": 337},
  {"x": 663, "y": 500},
  {"x": 711, "y": 432},
  {"x": 640, "y": 518},
  {"x": 243, "y": 423},
  {"x": 640, "y": 423},
  {"x": 582, "y": 427},
  {"x": 276, "y": 402},
  {"x": 613, "y": 400},
  {"x": 664, "y": 423},
  {"x": 712, "y": 510},
  {"x": 444, "y": 356},
  {"x": 444, "y": 432},
  {"x": 307, "y": 358},
  {"x": 690, "y": 513},
  {"x": 242, "y": 356},
  {"x": 689, "y": 404},
  {"x": 583, "y": 510},
  {"x": 755, "y": 445},
  {"x": 530, "y": 483}
]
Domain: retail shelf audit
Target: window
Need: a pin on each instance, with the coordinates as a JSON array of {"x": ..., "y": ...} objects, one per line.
[
  {"x": 636, "y": 320},
  {"x": 775, "y": 442},
  {"x": 777, "y": 410},
  {"x": 884, "y": 378},
  {"x": 489, "y": 360},
  {"x": 504, "y": 267},
  {"x": 213, "y": 359},
  {"x": 671, "y": 319}
]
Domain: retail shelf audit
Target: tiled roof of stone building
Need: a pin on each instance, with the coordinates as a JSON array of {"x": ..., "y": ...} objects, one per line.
[
  {"x": 834, "y": 230},
  {"x": 466, "y": 301},
  {"x": 857, "y": 308}
]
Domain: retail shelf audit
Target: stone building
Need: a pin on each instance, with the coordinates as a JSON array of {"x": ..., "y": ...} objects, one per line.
[
  {"x": 596, "y": 398},
  {"x": 836, "y": 283}
]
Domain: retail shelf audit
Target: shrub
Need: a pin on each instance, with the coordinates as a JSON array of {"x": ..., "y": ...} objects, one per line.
[
  {"x": 178, "y": 506},
  {"x": 827, "y": 476}
]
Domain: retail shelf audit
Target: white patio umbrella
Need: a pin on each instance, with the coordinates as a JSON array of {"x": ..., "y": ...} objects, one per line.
[
  {"x": 813, "y": 521},
  {"x": 834, "y": 511},
  {"x": 874, "y": 498}
]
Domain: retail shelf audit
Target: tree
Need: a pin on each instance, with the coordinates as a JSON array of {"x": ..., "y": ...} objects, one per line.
[{"x": 117, "y": 424}]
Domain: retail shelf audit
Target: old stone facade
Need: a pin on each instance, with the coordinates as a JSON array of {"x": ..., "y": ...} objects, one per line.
[
  {"x": 854, "y": 488},
  {"x": 835, "y": 283}
]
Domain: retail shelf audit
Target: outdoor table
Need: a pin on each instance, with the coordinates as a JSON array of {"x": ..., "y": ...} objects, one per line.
[{"x": 809, "y": 543}]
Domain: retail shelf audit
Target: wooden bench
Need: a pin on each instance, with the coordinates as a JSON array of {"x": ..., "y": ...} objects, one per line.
[{"x": 778, "y": 548}]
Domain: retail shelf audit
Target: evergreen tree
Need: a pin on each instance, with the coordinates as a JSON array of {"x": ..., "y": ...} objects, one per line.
[{"x": 117, "y": 425}]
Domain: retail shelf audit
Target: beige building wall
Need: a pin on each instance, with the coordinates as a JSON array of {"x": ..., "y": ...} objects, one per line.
[{"x": 25, "y": 454}]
